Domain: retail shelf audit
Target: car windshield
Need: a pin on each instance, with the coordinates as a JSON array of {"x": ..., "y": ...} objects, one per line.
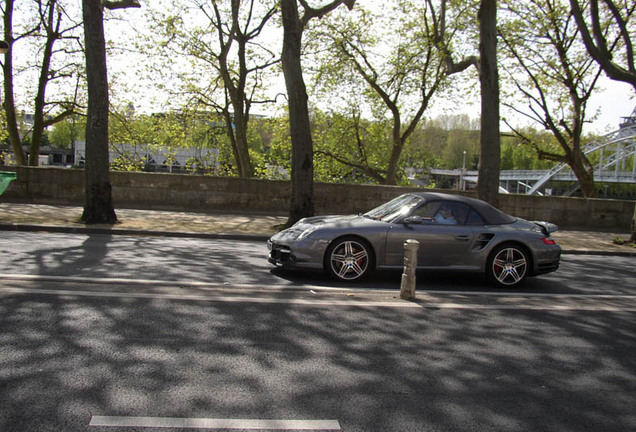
[{"x": 394, "y": 209}]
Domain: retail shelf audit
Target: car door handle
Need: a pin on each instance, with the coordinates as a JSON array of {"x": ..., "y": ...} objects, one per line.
[{"x": 462, "y": 237}]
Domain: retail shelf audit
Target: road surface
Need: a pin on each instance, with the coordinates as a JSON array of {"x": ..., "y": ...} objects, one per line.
[{"x": 146, "y": 334}]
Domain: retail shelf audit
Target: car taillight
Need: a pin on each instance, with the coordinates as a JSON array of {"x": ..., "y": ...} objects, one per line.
[{"x": 548, "y": 241}]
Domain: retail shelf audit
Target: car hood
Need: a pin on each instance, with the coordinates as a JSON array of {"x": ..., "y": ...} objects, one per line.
[
  {"x": 340, "y": 221},
  {"x": 306, "y": 226},
  {"x": 331, "y": 219}
]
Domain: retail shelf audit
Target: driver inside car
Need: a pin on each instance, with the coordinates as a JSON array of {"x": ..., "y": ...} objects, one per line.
[{"x": 444, "y": 216}]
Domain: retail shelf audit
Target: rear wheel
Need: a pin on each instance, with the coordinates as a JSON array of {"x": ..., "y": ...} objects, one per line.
[
  {"x": 508, "y": 265},
  {"x": 349, "y": 259}
]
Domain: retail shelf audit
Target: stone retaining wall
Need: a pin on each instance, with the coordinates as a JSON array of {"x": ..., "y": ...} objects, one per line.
[{"x": 184, "y": 192}]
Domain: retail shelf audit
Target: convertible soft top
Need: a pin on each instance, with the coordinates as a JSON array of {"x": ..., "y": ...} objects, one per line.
[{"x": 490, "y": 214}]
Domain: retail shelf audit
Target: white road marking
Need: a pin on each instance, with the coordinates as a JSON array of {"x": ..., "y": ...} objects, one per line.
[
  {"x": 424, "y": 300},
  {"x": 317, "y": 288},
  {"x": 548, "y": 307},
  {"x": 211, "y": 298},
  {"x": 161, "y": 283},
  {"x": 527, "y": 294},
  {"x": 204, "y": 423}
]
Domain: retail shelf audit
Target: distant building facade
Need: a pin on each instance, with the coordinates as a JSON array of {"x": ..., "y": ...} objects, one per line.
[{"x": 151, "y": 158}]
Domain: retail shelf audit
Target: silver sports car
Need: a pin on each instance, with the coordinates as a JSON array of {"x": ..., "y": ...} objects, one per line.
[{"x": 455, "y": 233}]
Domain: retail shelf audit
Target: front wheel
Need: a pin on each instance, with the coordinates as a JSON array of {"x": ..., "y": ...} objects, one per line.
[
  {"x": 508, "y": 266},
  {"x": 349, "y": 259}
]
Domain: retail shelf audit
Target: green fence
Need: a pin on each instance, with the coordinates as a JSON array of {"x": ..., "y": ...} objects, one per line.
[{"x": 5, "y": 179}]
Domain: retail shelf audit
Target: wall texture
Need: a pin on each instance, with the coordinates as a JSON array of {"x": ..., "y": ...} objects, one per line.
[{"x": 209, "y": 194}]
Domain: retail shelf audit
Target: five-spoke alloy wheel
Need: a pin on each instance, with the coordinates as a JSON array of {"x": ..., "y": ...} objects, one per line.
[
  {"x": 349, "y": 258},
  {"x": 508, "y": 265}
]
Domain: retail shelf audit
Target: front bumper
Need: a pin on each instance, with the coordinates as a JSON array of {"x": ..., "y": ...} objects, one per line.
[
  {"x": 278, "y": 254},
  {"x": 306, "y": 253}
]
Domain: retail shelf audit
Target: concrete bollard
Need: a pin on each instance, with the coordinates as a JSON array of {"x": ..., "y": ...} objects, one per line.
[{"x": 407, "y": 288}]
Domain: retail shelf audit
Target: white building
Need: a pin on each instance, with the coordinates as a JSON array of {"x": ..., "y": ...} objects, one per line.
[{"x": 156, "y": 158}]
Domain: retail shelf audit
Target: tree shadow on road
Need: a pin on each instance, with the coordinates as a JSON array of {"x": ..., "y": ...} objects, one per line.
[{"x": 66, "y": 358}]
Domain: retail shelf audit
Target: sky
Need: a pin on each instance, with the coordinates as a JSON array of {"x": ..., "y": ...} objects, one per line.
[
  {"x": 615, "y": 102},
  {"x": 612, "y": 101}
]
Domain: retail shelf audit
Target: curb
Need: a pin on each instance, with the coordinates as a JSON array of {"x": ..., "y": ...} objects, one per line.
[
  {"x": 127, "y": 231},
  {"x": 598, "y": 253}
]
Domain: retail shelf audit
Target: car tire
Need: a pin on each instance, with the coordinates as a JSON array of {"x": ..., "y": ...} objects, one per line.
[
  {"x": 508, "y": 265},
  {"x": 349, "y": 259}
]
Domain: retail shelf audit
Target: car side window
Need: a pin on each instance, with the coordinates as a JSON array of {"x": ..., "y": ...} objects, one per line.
[
  {"x": 445, "y": 213},
  {"x": 427, "y": 211},
  {"x": 474, "y": 219}
]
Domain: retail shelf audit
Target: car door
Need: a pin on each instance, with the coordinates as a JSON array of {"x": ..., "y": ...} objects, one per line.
[{"x": 440, "y": 228}]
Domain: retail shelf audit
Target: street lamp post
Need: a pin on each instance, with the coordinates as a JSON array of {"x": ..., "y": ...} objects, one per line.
[{"x": 462, "y": 186}]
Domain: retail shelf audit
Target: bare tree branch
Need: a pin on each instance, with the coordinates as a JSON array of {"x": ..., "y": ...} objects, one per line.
[
  {"x": 596, "y": 43},
  {"x": 121, "y": 4},
  {"x": 441, "y": 39},
  {"x": 322, "y": 11}
]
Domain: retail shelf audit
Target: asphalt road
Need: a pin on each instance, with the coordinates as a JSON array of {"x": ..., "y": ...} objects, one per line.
[
  {"x": 90, "y": 338},
  {"x": 244, "y": 263}
]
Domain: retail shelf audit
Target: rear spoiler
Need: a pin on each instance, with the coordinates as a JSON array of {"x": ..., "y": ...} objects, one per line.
[{"x": 547, "y": 227}]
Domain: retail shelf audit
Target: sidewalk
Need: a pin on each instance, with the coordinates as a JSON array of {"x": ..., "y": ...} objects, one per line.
[{"x": 53, "y": 218}]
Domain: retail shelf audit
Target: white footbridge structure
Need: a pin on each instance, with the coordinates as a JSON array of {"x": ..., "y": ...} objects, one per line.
[{"x": 615, "y": 153}]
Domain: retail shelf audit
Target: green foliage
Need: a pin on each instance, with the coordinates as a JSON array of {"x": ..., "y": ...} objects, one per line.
[
  {"x": 338, "y": 139},
  {"x": 126, "y": 161},
  {"x": 219, "y": 61},
  {"x": 65, "y": 133},
  {"x": 133, "y": 136},
  {"x": 4, "y": 134},
  {"x": 523, "y": 153},
  {"x": 353, "y": 124},
  {"x": 275, "y": 163},
  {"x": 348, "y": 148},
  {"x": 425, "y": 148},
  {"x": 378, "y": 83},
  {"x": 549, "y": 70},
  {"x": 441, "y": 143}
]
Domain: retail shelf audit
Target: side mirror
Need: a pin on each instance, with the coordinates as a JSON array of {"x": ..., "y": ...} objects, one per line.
[{"x": 413, "y": 220}]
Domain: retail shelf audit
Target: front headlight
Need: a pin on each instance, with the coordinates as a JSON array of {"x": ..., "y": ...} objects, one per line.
[
  {"x": 297, "y": 232},
  {"x": 307, "y": 231}
]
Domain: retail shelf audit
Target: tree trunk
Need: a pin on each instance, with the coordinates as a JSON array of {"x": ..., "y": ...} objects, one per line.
[
  {"x": 98, "y": 205},
  {"x": 40, "y": 97},
  {"x": 9, "y": 101},
  {"x": 38, "y": 115},
  {"x": 237, "y": 125},
  {"x": 302, "y": 168},
  {"x": 240, "y": 135},
  {"x": 398, "y": 145},
  {"x": 584, "y": 173},
  {"x": 490, "y": 160}
]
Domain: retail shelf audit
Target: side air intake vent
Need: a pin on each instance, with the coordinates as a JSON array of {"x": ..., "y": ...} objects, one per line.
[{"x": 482, "y": 241}]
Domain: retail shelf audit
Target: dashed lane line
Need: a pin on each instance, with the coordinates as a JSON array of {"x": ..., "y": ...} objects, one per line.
[{"x": 211, "y": 423}]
